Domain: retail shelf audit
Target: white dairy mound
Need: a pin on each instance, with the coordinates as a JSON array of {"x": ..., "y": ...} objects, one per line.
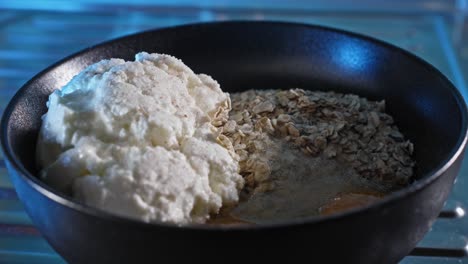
[{"x": 135, "y": 138}]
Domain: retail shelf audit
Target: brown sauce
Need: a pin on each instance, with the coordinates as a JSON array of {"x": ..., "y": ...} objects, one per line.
[
  {"x": 346, "y": 201},
  {"x": 226, "y": 218},
  {"x": 340, "y": 203}
]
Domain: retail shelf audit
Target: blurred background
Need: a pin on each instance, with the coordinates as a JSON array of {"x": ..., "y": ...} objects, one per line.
[{"x": 35, "y": 34}]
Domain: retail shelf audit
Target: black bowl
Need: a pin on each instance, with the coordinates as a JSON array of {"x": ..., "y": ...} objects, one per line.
[{"x": 263, "y": 55}]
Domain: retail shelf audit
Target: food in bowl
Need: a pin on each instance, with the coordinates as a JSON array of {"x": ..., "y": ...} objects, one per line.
[
  {"x": 136, "y": 139},
  {"x": 305, "y": 153},
  {"x": 149, "y": 139}
]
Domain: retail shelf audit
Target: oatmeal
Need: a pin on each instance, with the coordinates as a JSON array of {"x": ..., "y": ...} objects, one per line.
[
  {"x": 301, "y": 150},
  {"x": 345, "y": 127}
]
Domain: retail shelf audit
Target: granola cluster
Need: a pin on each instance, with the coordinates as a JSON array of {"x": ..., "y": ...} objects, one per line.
[{"x": 351, "y": 129}]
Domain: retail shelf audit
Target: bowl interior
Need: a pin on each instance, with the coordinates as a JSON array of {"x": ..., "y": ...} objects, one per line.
[{"x": 243, "y": 56}]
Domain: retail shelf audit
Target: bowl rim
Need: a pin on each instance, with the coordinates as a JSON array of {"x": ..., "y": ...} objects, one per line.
[{"x": 69, "y": 202}]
